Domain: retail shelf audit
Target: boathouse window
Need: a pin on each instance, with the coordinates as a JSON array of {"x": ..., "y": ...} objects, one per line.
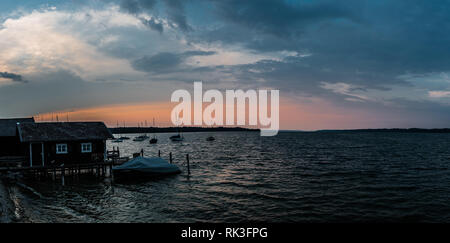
[
  {"x": 86, "y": 147},
  {"x": 61, "y": 148}
]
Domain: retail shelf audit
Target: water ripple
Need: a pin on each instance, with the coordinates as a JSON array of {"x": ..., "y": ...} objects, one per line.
[{"x": 242, "y": 177}]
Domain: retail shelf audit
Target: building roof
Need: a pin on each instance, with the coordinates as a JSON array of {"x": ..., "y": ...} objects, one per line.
[
  {"x": 63, "y": 131},
  {"x": 8, "y": 126}
]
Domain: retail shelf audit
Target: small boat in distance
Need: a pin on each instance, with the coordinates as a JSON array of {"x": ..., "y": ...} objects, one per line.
[
  {"x": 154, "y": 139},
  {"x": 140, "y": 138},
  {"x": 177, "y": 138},
  {"x": 124, "y": 138},
  {"x": 145, "y": 167},
  {"x": 210, "y": 138}
]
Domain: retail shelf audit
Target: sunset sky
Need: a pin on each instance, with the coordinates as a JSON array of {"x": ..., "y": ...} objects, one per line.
[{"x": 337, "y": 64}]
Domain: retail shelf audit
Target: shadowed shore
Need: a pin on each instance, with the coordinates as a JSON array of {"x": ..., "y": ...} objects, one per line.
[
  {"x": 401, "y": 130},
  {"x": 119, "y": 130}
]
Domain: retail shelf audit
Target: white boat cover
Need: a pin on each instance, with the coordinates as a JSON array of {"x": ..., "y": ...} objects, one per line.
[{"x": 154, "y": 165}]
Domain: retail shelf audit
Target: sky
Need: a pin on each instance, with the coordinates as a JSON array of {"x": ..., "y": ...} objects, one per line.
[{"x": 338, "y": 64}]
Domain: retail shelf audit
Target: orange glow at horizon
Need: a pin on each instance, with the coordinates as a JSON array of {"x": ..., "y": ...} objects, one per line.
[
  {"x": 131, "y": 115},
  {"x": 293, "y": 115}
]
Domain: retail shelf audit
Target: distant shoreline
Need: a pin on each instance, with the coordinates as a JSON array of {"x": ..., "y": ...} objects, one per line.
[
  {"x": 122, "y": 130},
  {"x": 389, "y": 130}
]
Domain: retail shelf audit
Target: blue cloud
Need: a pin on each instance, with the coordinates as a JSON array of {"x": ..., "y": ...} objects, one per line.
[
  {"x": 166, "y": 61},
  {"x": 12, "y": 76}
]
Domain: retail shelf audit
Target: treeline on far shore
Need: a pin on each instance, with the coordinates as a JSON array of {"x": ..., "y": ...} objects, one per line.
[
  {"x": 119, "y": 130},
  {"x": 398, "y": 130}
]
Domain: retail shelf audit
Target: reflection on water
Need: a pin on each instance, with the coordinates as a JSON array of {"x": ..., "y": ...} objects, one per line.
[{"x": 293, "y": 177}]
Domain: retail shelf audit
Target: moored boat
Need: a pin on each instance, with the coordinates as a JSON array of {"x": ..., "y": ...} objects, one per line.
[
  {"x": 140, "y": 138},
  {"x": 177, "y": 138},
  {"x": 153, "y": 140},
  {"x": 144, "y": 167}
]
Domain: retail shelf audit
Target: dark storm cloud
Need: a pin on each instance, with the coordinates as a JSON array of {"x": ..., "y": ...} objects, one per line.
[
  {"x": 175, "y": 12},
  {"x": 132, "y": 6},
  {"x": 137, "y": 6},
  {"x": 278, "y": 18},
  {"x": 12, "y": 76},
  {"x": 153, "y": 24},
  {"x": 163, "y": 61},
  {"x": 166, "y": 61},
  {"x": 365, "y": 43},
  {"x": 368, "y": 44},
  {"x": 197, "y": 53}
]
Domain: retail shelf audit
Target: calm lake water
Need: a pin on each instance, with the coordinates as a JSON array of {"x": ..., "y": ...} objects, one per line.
[{"x": 241, "y": 177}]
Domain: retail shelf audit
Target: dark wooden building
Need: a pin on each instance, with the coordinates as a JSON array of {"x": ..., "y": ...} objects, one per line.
[
  {"x": 9, "y": 140},
  {"x": 64, "y": 142}
]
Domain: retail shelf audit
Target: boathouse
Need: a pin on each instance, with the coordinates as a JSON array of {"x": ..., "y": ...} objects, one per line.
[
  {"x": 10, "y": 145},
  {"x": 64, "y": 142}
]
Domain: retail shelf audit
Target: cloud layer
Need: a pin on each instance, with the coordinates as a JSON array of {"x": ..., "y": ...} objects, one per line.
[
  {"x": 12, "y": 76},
  {"x": 389, "y": 57}
]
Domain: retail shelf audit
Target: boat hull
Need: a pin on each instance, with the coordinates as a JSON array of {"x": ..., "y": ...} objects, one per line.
[
  {"x": 134, "y": 176},
  {"x": 141, "y": 167}
]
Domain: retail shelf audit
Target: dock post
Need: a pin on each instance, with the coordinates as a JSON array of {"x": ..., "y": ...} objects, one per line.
[
  {"x": 111, "y": 173},
  {"x": 31, "y": 155},
  {"x": 63, "y": 172},
  {"x": 188, "y": 166},
  {"x": 159, "y": 153},
  {"x": 170, "y": 156}
]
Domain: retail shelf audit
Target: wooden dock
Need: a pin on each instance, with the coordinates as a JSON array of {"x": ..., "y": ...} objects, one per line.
[{"x": 100, "y": 169}]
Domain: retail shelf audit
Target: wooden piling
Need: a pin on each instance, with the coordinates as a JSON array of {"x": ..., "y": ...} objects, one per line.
[
  {"x": 110, "y": 171},
  {"x": 188, "y": 166},
  {"x": 170, "y": 157},
  {"x": 63, "y": 172},
  {"x": 159, "y": 153}
]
